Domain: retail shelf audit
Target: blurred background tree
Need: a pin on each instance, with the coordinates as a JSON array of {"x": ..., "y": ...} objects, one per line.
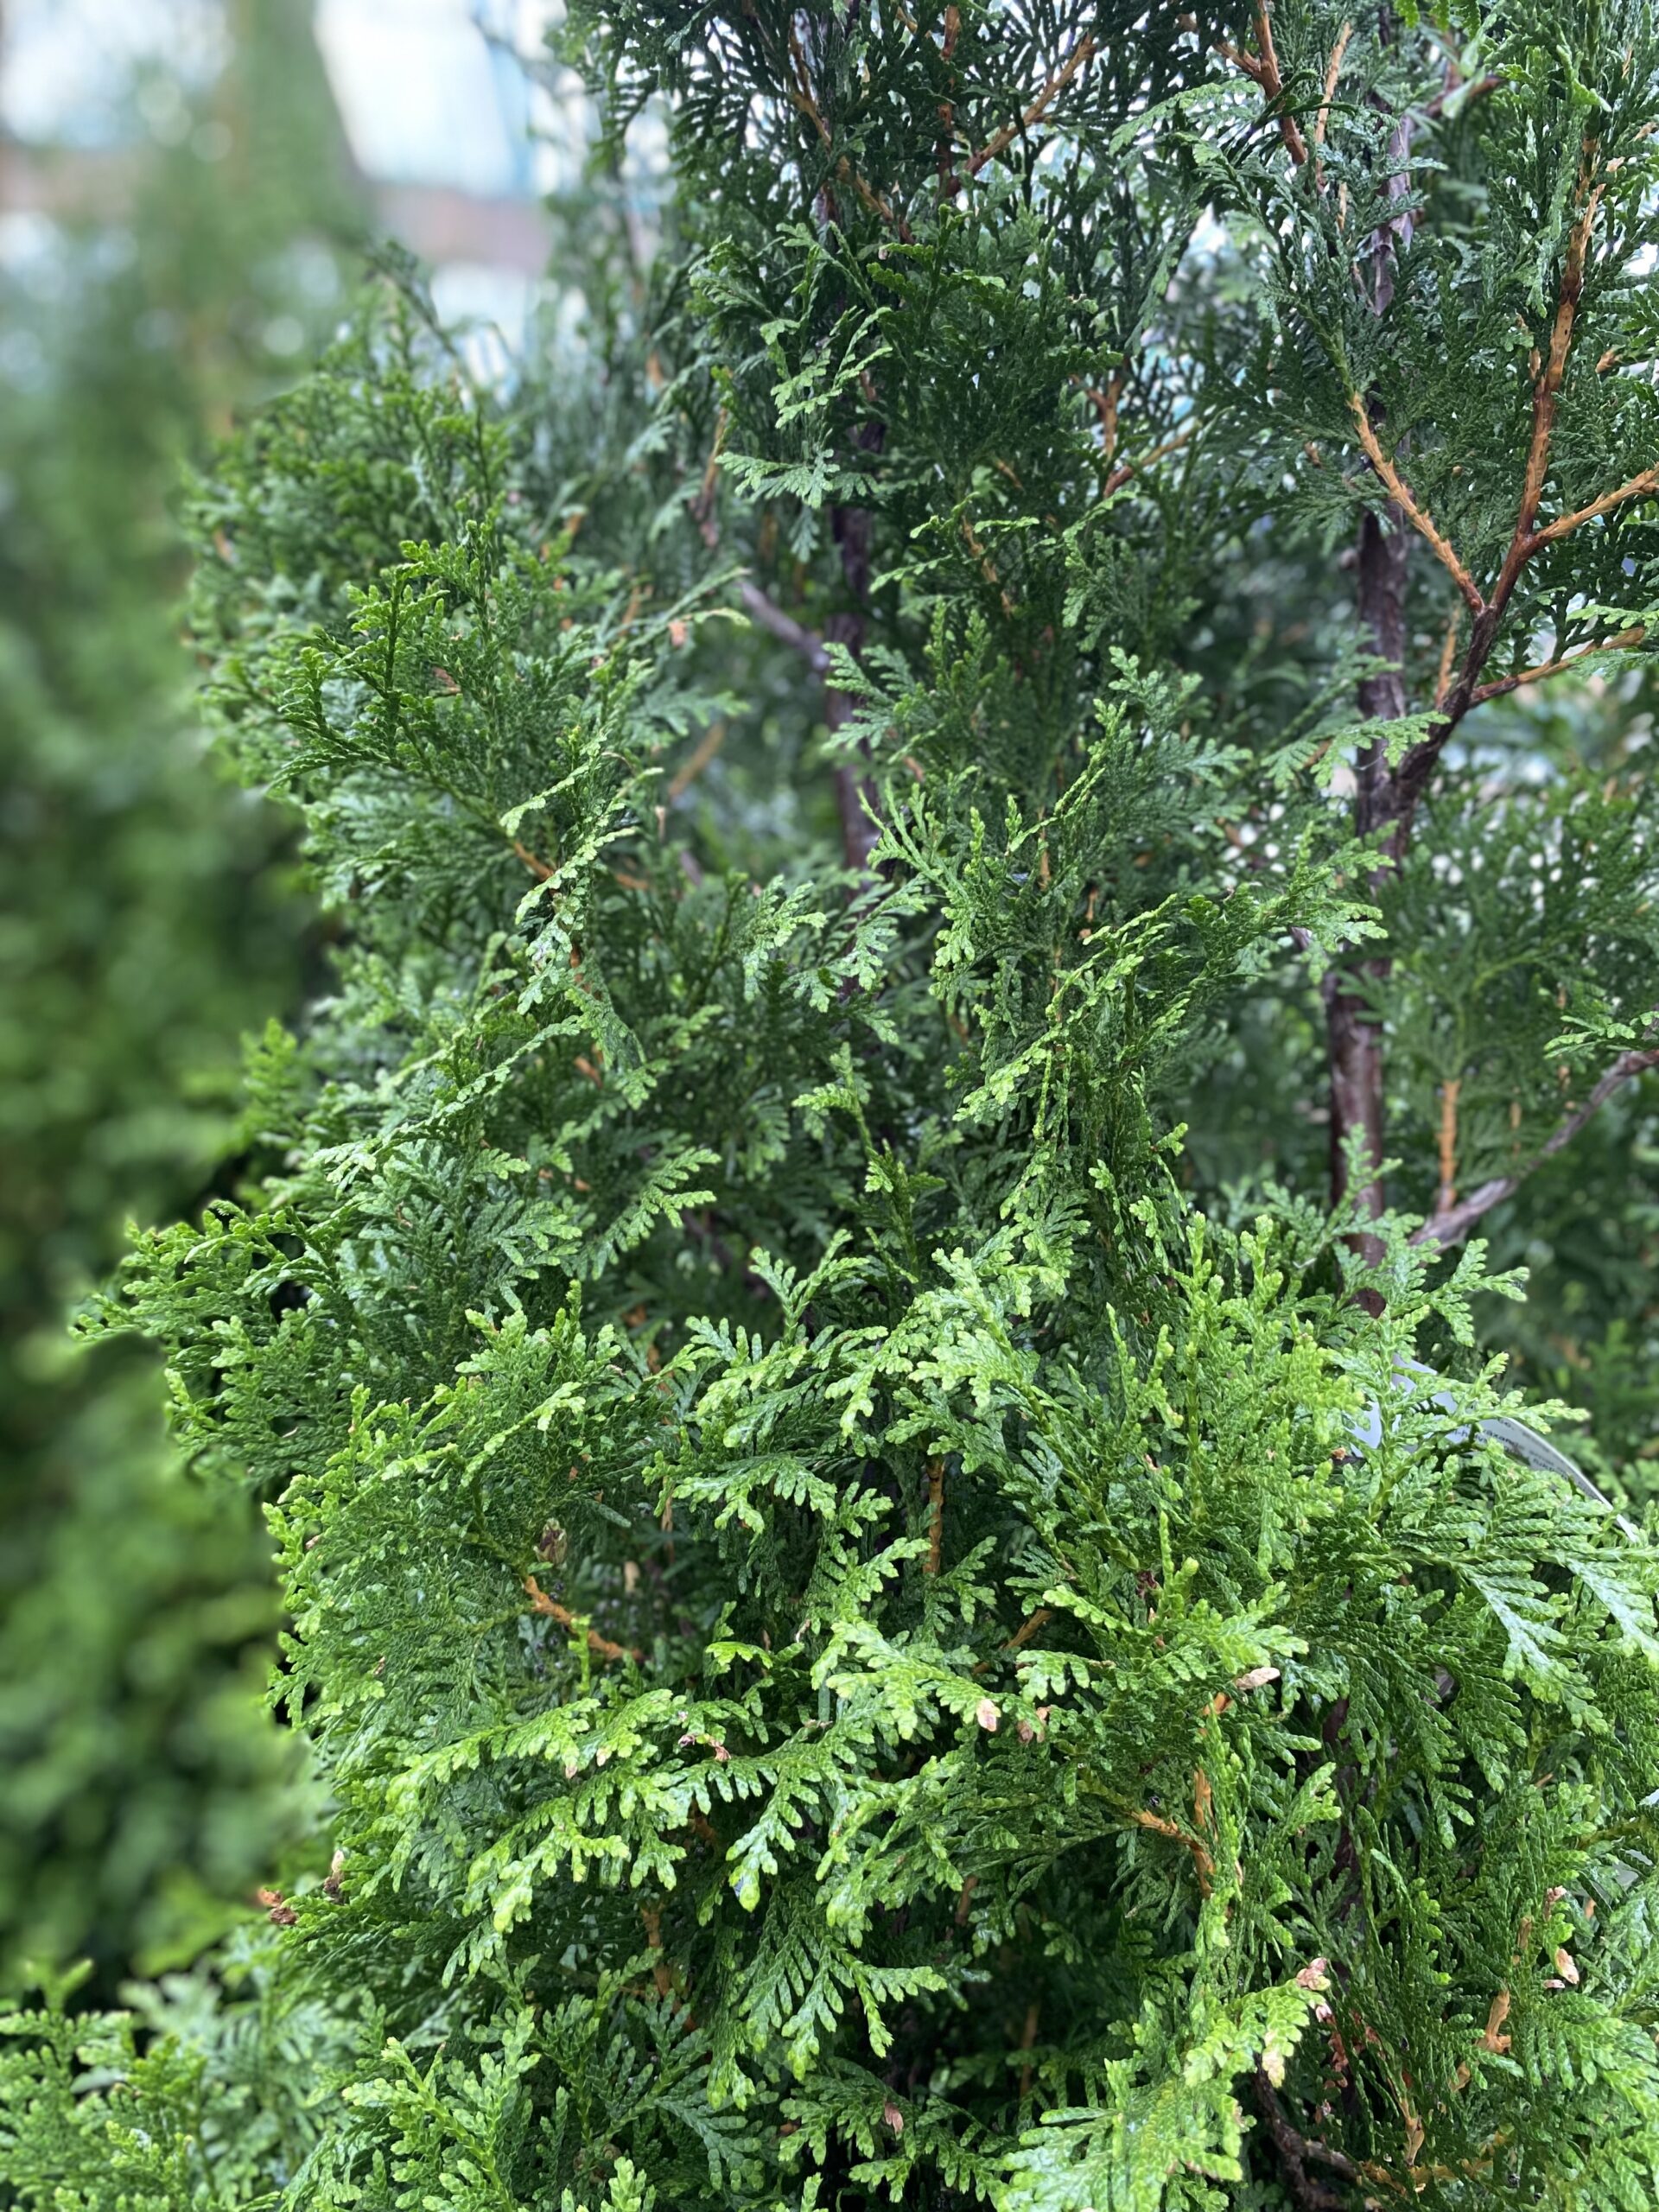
[
  {"x": 185, "y": 186},
  {"x": 144, "y": 925}
]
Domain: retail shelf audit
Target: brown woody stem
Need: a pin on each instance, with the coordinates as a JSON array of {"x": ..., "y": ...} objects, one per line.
[
  {"x": 1400, "y": 492},
  {"x": 1295, "y": 2152},
  {"x": 997, "y": 145}
]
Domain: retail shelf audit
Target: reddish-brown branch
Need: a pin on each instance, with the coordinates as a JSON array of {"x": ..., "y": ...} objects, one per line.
[
  {"x": 943, "y": 152},
  {"x": 1624, "y": 642},
  {"x": 1448, "y": 658},
  {"x": 1121, "y": 475},
  {"x": 1000, "y": 142},
  {"x": 537, "y": 867},
  {"x": 1272, "y": 84},
  {"x": 1105, "y": 405},
  {"x": 1028, "y": 1628},
  {"x": 1645, "y": 486},
  {"x": 1449, "y": 1091},
  {"x": 1412, "y": 778},
  {"x": 702, "y": 506},
  {"x": 600, "y": 1646},
  {"x": 1333, "y": 76},
  {"x": 1450, "y": 1224},
  {"x": 1203, "y": 1864},
  {"x": 1529, "y": 537},
  {"x": 987, "y": 566},
  {"x": 1261, "y": 67},
  {"x": 1401, "y": 492},
  {"x": 802, "y": 97},
  {"x": 935, "y": 1516},
  {"x": 1388, "y": 797},
  {"x": 1547, "y": 389}
]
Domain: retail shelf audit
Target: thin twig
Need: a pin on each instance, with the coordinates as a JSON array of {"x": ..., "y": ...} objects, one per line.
[
  {"x": 1333, "y": 74},
  {"x": 1451, "y": 1224},
  {"x": 1121, "y": 475},
  {"x": 801, "y": 95},
  {"x": 1295, "y": 2151},
  {"x": 987, "y": 566},
  {"x": 1624, "y": 642},
  {"x": 600, "y": 1646},
  {"x": 1203, "y": 1864},
  {"x": 1399, "y": 492},
  {"x": 1449, "y": 1091},
  {"x": 1448, "y": 658},
  {"x": 950, "y": 183},
  {"x": 704, "y": 751},
  {"x": 935, "y": 1516},
  {"x": 1273, "y": 84},
  {"x": 1262, "y": 68},
  {"x": 537, "y": 867},
  {"x": 999, "y": 144},
  {"x": 1547, "y": 387},
  {"x": 1105, "y": 405},
  {"x": 1640, "y": 487},
  {"x": 702, "y": 506},
  {"x": 1411, "y": 780},
  {"x": 1027, "y": 2038},
  {"x": 1022, "y": 1636},
  {"x": 767, "y": 614}
]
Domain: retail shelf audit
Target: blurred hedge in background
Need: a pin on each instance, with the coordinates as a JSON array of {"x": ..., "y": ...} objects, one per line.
[{"x": 143, "y": 927}]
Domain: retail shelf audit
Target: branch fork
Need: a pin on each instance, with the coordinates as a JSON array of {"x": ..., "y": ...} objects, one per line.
[{"x": 1454, "y": 1217}]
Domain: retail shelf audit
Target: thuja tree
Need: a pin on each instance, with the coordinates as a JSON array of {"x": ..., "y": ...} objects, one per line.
[{"x": 886, "y": 1605}]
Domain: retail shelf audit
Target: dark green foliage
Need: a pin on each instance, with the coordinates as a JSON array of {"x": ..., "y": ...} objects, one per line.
[{"x": 831, "y": 1585}]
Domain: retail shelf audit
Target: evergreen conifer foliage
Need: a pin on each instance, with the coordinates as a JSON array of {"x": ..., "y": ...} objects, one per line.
[{"x": 853, "y": 1652}]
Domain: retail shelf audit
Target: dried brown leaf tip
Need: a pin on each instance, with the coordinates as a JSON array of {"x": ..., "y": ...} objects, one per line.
[{"x": 278, "y": 1911}]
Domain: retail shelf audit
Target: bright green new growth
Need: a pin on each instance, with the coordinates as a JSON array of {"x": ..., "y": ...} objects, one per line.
[{"x": 832, "y": 1588}]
